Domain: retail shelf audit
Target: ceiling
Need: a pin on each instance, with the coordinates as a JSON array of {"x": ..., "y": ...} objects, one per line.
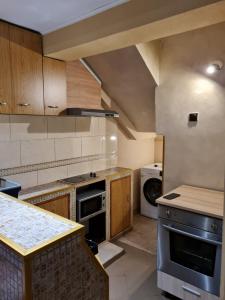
[
  {"x": 48, "y": 15},
  {"x": 127, "y": 80}
]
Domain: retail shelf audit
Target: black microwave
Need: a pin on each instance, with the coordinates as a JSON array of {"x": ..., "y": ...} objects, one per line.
[{"x": 90, "y": 205}]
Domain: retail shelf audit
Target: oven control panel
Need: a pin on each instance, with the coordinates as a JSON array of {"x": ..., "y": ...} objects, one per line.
[{"x": 206, "y": 223}]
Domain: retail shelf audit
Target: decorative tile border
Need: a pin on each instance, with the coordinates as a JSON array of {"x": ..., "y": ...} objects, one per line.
[{"x": 48, "y": 165}]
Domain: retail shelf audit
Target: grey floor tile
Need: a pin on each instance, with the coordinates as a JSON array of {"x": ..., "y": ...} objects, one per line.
[
  {"x": 118, "y": 288},
  {"x": 133, "y": 276}
]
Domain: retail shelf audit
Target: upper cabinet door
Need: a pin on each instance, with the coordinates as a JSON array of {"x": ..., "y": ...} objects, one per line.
[
  {"x": 26, "y": 66},
  {"x": 55, "y": 95},
  {"x": 5, "y": 70},
  {"x": 83, "y": 90}
]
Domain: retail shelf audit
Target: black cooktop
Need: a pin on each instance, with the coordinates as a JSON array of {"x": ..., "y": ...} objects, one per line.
[{"x": 80, "y": 178}]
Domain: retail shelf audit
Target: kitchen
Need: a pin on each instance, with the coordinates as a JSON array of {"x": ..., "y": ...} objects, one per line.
[{"x": 80, "y": 145}]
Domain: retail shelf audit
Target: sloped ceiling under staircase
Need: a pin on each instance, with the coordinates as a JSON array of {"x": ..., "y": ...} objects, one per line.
[{"x": 127, "y": 80}]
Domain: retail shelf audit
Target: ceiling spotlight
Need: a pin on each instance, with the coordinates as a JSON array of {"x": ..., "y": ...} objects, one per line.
[{"x": 214, "y": 67}]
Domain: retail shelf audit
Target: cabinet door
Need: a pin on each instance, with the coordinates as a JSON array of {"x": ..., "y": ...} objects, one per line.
[
  {"x": 26, "y": 65},
  {"x": 54, "y": 86},
  {"x": 120, "y": 199},
  {"x": 5, "y": 70},
  {"x": 59, "y": 206}
]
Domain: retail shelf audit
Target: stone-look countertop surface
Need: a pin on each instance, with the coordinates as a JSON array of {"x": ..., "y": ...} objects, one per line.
[
  {"x": 27, "y": 226},
  {"x": 198, "y": 200},
  {"x": 40, "y": 190},
  {"x": 56, "y": 186}
]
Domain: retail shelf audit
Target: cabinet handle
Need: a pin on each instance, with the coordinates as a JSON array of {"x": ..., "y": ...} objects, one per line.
[
  {"x": 53, "y": 106},
  {"x": 24, "y": 104},
  {"x": 186, "y": 289},
  {"x": 3, "y": 103}
]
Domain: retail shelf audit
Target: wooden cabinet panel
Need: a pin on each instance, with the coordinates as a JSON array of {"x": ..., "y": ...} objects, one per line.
[
  {"x": 83, "y": 90},
  {"x": 120, "y": 199},
  {"x": 59, "y": 206},
  {"x": 5, "y": 70},
  {"x": 26, "y": 65},
  {"x": 55, "y": 95}
]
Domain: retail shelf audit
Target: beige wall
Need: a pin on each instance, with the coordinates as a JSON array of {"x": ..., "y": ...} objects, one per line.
[
  {"x": 193, "y": 154},
  {"x": 159, "y": 144},
  {"x": 135, "y": 154}
]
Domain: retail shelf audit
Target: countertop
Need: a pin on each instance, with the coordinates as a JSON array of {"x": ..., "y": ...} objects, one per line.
[
  {"x": 27, "y": 228},
  {"x": 198, "y": 200},
  {"x": 37, "y": 191}
]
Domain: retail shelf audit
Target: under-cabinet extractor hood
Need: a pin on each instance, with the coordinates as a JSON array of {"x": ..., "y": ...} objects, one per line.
[{"x": 86, "y": 112}]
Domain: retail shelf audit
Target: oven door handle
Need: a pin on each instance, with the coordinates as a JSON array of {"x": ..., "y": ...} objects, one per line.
[{"x": 194, "y": 236}]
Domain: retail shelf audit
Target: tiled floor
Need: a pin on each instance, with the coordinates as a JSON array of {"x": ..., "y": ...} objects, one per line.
[
  {"x": 143, "y": 235},
  {"x": 133, "y": 276}
]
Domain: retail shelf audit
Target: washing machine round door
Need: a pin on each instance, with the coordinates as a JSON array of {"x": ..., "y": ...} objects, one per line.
[{"x": 152, "y": 190}]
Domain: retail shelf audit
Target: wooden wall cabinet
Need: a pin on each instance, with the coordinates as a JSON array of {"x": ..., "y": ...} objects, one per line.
[
  {"x": 27, "y": 75},
  {"x": 59, "y": 206},
  {"x": 120, "y": 205},
  {"x": 5, "y": 70},
  {"x": 55, "y": 92},
  {"x": 83, "y": 90},
  {"x": 31, "y": 84}
]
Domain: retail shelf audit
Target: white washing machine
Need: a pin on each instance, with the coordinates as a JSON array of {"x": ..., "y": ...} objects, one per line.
[{"x": 151, "y": 189}]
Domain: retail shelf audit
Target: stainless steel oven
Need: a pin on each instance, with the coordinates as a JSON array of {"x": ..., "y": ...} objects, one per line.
[
  {"x": 189, "y": 248},
  {"x": 89, "y": 204}
]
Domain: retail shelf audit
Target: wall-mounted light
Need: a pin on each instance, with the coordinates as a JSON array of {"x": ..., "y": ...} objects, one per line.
[
  {"x": 214, "y": 67},
  {"x": 113, "y": 138}
]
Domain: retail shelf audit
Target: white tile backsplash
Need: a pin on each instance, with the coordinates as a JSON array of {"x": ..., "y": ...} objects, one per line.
[
  {"x": 99, "y": 164},
  {"x": 28, "y": 140},
  {"x": 111, "y": 126},
  {"x": 110, "y": 144},
  {"x": 91, "y": 146},
  {"x": 9, "y": 154},
  {"x": 52, "y": 174},
  {"x": 80, "y": 168},
  {"x": 67, "y": 148},
  {"x": 28, "y": 127},
  {"x": 37, "y": 151},
  {"x": 4, "y": 128},
  {"x": 25, "y": 179},
  {"x": 86, "y": 126},
  {"x": 113, "y": 161},
  {"x": 61, "y": 127},
  {"x": 102, "y": 126}
]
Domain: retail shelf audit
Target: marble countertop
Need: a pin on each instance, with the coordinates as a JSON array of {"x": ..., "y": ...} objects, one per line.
[
  {"x": 56, "y": 186},
  {"x": 26, "y": 228},
  {"x": 198, "y": 200}
]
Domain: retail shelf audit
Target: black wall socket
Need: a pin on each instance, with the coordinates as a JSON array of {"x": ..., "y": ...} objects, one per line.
[{"x": 193, "y": 117}]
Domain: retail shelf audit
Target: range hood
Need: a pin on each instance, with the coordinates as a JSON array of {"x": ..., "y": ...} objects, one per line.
[{"x": 86, "y": 112}]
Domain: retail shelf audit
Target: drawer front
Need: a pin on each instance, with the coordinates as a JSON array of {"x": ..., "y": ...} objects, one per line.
[
  {"x": 170, "y": 284},
  {"x": 193, "y": 293},
  {"x": 181, "y": 289}
]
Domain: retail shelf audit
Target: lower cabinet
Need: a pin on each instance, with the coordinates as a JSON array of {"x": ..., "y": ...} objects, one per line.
[
  {"x": 120, "y": 205},
  {"x": 59, "y": 206}
]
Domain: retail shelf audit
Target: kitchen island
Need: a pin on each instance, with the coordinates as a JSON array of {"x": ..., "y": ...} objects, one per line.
[{"x": 45, "y": 256}]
